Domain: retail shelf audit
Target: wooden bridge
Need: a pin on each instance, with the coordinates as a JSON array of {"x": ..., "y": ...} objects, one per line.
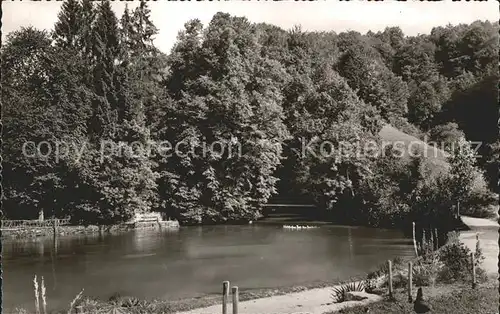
[{"x": 34, "y": 223}]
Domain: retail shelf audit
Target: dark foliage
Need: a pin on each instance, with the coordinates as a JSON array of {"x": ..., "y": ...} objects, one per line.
[{"x": 255, "y": 88}]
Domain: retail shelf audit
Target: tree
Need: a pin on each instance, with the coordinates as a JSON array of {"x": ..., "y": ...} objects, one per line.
[
  {"x": 105, "y": 51},
  {"x": 67, "y": 29},
  {"x": 466, "y": 48},
  {"x": 414, "y": 61},
  {"x": 425, "y": 103},
  {"x": 88, "y": 16},
  {"x": 491, "y": 165},
  {"x": 138, "y": 52},
  {"x": 375, "y": 84},
  {"x": 462, "y": 172},
  {"x": 116, "y": 176},
  {"x": 447, "y": 135},
  {"x": 225, "y": 92},
  {"x": 334, "y": 122},
  {"x": 44, "y": 102}
]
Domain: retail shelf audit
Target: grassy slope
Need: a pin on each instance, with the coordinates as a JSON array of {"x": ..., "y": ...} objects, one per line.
[
  {"x": 436, "y": 161},
  {"x": 436, "y": 157}
]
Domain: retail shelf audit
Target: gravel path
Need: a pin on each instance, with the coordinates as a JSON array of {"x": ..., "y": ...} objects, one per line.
[
  {"x": 478, "y": 222},
  {"x": 488, "y": 237}
]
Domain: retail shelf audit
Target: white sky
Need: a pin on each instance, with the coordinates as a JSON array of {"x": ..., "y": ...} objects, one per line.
[{"x": 413, "y": 17}]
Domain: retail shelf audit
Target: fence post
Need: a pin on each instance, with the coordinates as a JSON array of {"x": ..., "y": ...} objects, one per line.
[
  {"x": 410, "y": 282},
  {"x": 389, "y": 263},
  {"x": 436, "y": 235},
  {"x": 424, "y": 242},
  {"x": 54, "y": 226},
  {"x": 235, "y": 299},
  {"x": 415, "y": 241},
  {"x": 473, "y": 270},
  {"x": 225, "y": 295},
  {"x": 431, "y": 230}
]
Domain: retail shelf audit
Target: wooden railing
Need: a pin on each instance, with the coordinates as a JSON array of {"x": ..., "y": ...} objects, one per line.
[{"x": 35, "y": 223}]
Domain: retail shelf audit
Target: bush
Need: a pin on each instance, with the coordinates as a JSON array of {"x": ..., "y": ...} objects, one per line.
[
  {"x": 426, "y": 270},
  {"x": 457, "y": 262},
  {"x": 481, "y": 203},
  {"x": 370, "y": 286},
  {"x": 398, "y": 264},
  {"x": 124, "y": 301},
  {"x": 399, "y": 281}
]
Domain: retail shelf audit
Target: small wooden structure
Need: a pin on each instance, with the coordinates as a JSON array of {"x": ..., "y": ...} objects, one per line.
[
  {"x": 410, "y": 282},
  {"x": 389, "y": 264},
  {"x": 34, "y": 223},
  {"x": 225, "y": 297},
  {"x": 151, "y": 220}
]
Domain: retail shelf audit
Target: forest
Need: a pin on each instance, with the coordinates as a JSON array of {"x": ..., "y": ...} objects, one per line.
[{"x": 99, "y": 77}]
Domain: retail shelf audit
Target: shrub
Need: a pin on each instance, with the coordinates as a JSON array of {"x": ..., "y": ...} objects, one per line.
[
  {"x": 339, "y": 294},
  {"x": 398, "y": 264},
  {"x": 456, "y": 259},
  {"x": 370, "y": 286},
  {"x": 88, "y": 304},
  {"x": 399, "y": 281},
  {"x": 124, "y": 301},
  {"x": 478, "y": 254},
  {"x": 426, "y": 270},
  {"x": 426, "y": 248},
  {"x": 453, "y": 237}
]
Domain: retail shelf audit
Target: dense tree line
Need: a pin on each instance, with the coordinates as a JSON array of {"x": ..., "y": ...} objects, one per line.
[{"x": 97, "y": 78}]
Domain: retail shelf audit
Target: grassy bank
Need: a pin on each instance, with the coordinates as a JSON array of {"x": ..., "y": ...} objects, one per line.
[
  {"x": 132, "y": 305},
  {"x": 451, "y": 298},
  {"x": 447, "y": 299}
]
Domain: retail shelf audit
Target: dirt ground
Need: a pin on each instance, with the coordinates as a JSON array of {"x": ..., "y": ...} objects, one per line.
[{"x": 314, "y": 301}]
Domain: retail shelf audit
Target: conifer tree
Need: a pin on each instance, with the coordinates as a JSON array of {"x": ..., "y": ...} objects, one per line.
[
  {"x": 106, "y": 52},
  {"x": 67, "y": 30}
]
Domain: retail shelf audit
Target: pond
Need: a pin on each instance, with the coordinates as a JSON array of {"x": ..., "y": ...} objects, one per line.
[{"x": 190, "y": 261}]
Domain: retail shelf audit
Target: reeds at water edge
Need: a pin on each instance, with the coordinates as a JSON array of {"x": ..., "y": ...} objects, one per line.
[
  {"x": 37, "y": 288},
  {"x": 37, "y": 296},
  {"x": 40, "y": 293},
  {"x": 72, "y": 304},
  {"x": 44, "y": 299}
]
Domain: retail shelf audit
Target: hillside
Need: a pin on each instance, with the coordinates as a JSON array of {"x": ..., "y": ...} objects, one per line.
[{"x": 435, "y": 156}]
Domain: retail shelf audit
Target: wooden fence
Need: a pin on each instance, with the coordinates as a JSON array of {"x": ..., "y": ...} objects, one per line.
[
  {"x": 410, "y": 278},
  {"x": 35, "y": 223}
]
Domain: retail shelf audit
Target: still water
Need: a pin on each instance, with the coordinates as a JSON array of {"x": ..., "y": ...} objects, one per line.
[{"x": 191, "y": 261}]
